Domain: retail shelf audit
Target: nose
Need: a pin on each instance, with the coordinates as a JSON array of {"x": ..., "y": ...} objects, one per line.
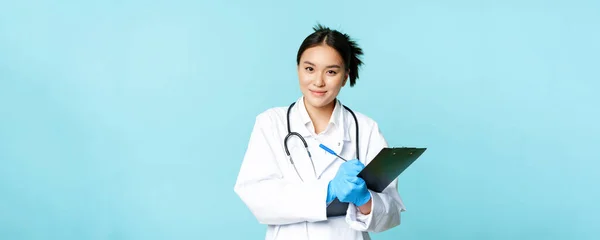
[{"x": 319, "y": 81}]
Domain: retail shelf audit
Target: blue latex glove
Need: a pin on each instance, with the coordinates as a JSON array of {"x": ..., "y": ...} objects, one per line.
[
  {"x": 330, "y": 193},
  {"x": 347, "y": 187}
]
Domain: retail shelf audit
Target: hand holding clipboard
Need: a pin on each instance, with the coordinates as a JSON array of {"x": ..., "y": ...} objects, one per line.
[{"x": 380, "y": 172}]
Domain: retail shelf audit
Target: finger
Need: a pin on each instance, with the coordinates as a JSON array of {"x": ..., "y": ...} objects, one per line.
[
  {"x": 357, "y": 168},
  {"x": 350, "y": 167},
  {"x": 354, "y": 162},
  {"x": 357, "y": 164},
  {"x": 360, "y": 164},
  {"x": 352, "y": 172},
  {"x": 354, "y": 180}
]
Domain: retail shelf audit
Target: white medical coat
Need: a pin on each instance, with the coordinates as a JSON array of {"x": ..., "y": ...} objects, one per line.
[{"x": 270, "y": 187}]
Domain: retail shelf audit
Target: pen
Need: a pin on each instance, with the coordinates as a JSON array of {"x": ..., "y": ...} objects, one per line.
[{"x": 331, "y": 151}]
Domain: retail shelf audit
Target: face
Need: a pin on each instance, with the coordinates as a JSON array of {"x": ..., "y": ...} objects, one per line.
[{"x": 321, "y": 74}]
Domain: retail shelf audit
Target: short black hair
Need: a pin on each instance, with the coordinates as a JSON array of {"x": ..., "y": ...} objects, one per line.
[{"x": 341, "y": 42}]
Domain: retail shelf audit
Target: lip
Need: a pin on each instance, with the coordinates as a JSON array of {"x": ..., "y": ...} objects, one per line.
[{"x": 318, "y": 93}]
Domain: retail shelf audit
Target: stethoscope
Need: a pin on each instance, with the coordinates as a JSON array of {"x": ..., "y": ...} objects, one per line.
[{"x": 290, "y": 134}]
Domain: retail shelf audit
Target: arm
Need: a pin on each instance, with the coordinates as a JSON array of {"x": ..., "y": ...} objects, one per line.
[
  {"x": 262, "y": 187},
  {"x": 382, "y": 212}
]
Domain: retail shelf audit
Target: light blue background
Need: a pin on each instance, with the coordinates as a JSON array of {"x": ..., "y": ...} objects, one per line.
[{"x": 129, "y": 119}]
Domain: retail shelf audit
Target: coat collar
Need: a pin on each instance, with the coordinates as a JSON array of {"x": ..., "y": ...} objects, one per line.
[{"x": 337, "y": 120}]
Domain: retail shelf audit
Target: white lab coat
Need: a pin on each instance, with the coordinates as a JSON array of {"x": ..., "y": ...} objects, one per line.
[{"x": 270, "y": 187}]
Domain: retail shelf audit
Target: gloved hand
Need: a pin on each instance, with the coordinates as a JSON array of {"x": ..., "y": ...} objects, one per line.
[{"x": 347, "y": 187}]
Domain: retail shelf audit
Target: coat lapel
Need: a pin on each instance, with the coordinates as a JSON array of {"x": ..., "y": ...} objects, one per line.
[{"x": 337, "y": 140}]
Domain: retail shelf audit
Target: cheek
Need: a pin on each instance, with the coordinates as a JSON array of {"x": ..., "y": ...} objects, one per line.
[
  {"x": 304, "y": 78},
  {"x": 336, "y": 81}
]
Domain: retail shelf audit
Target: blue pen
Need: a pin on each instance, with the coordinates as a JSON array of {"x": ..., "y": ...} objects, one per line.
[{"x": 331, "y": 151}]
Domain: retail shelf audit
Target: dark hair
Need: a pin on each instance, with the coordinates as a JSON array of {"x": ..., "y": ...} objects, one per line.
[{"x": 341, "y": 42}]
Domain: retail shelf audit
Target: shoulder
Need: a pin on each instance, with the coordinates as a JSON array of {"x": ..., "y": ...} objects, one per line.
[
  {"x": 272, "y": 119},
  {"x": 272, "y": 115},
  {"x": 272, "y": 122}
]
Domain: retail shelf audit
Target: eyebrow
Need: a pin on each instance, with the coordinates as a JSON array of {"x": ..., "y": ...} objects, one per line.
[{"x": 330, "y": 66}]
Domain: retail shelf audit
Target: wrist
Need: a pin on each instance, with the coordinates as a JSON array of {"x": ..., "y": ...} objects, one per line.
[{"x": 365, "y": 209}]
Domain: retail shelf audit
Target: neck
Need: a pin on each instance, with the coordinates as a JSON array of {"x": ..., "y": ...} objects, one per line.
[{"x": 320, "y": 115}]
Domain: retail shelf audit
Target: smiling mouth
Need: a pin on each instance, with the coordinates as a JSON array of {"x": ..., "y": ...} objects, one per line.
[{"x": 318, "y": 93}]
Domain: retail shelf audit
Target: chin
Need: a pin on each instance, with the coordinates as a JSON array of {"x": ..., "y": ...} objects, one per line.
[{"x": 318, "y": 102}]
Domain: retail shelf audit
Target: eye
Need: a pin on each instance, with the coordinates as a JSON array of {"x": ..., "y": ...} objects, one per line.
[
  {"x": 310, "y": 69},
  {"x": 332, "y": 72}
]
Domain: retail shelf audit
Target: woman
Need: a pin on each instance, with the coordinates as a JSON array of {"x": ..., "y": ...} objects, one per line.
[{"x": 291, "y": 193}]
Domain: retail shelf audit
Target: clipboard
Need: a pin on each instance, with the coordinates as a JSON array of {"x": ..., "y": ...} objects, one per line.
[{"x": 380, "y": 172}]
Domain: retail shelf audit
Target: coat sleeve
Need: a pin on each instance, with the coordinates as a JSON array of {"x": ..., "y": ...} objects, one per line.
[
  {"x": 386, "y": 206},
  {"x": 261, "y": 186}
]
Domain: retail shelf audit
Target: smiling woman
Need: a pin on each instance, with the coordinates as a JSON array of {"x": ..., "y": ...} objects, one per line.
[
  {"x": 325, "y": 61},
  {"x": 281, "y": 184}
]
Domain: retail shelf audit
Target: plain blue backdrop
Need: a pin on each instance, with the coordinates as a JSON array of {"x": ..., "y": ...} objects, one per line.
[{"x": 129, "y": 119}]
